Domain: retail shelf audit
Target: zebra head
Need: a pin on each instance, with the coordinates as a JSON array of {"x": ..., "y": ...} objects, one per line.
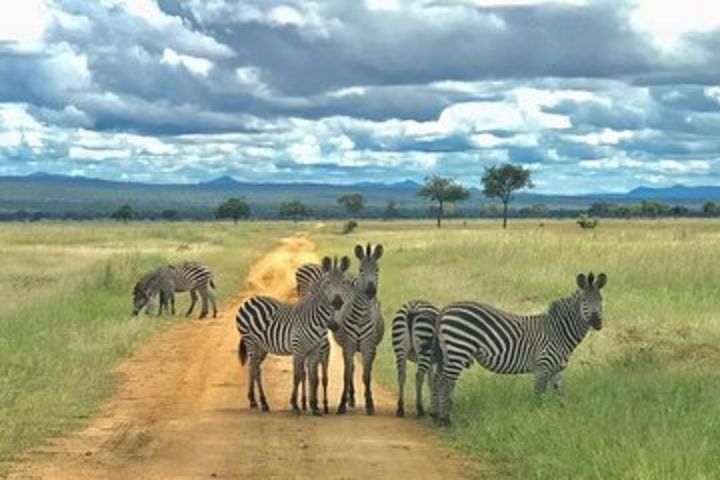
[
  {"x": 590, "y": 299},
  {"x": 333, "y": 285},
  {"x": 141, "y": 297},
  {"x": 368, "y": 276}
]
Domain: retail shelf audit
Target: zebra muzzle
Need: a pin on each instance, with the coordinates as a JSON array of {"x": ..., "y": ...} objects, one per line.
[{"x": 337, "y": 302}]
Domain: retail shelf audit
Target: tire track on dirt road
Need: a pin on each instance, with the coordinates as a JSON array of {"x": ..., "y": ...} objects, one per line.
[{"x": 181, "y": 412}]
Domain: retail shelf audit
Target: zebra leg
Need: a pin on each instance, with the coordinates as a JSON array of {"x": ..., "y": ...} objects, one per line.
[
  {"x": 557, "y": 385},
  {"x": 204, "y": 301},
  {"x": 324, "y": 364},
  {"x": 303, "y": 386},
  {"x": 542, "y": 378},
  {"x": 253, "y": 370},
  {"x": 298, "y": 378},
  {"x": 193, "y": 301},
  {"x": 401, "y": 364},
  {"x": 419, "y": 381},
  {"x": 211, "y": 295},
  {"x": 172, "y": 303},
  {"x": 445, "y": 387},
  {"x": 432, "y": 383},
  {"x": 368, "y": 358},
  {"x": 348, "y": 370},
  {"x": 258, "y": 378},
  {"x": 313, "y": 374}
]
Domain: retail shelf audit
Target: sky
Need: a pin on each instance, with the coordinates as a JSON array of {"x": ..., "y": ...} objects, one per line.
[{"x": 590, "y": 95}]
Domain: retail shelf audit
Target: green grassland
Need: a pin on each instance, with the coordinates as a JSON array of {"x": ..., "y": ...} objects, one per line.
[
  {"x": 66, "y": 294},
  {"x": 643, "y": 394}
]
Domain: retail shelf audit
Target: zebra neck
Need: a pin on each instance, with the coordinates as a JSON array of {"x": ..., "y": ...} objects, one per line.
[
  {"x": 319, "y": 311},
  {"x": 564, "y": 324},
  {"x": 359, "y": 307}
]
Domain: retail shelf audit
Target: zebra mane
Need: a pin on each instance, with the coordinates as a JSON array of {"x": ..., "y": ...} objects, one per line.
[{"x": 560, "y": 308}]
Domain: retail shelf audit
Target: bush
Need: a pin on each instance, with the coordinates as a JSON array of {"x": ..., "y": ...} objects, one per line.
[
  {"x": 349, "y": 227},
  {"x": 586, "y": 222}
]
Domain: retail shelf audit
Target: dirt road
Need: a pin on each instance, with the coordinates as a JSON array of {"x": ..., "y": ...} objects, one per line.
[{"x": 181, "y": 412}]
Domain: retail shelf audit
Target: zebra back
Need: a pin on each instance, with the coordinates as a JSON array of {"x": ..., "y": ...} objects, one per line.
[{"x": 191, "y": 275}]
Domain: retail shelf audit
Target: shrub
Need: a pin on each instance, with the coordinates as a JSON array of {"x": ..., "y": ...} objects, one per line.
[
  {"x": 586, "y": 222},
  {"x": 349, "y": 227}
]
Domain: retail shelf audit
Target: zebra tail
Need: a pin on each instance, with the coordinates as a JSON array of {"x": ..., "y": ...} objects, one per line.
[
  {"x": 242, "y": 351},
  {"x": 212, "y": 284}
]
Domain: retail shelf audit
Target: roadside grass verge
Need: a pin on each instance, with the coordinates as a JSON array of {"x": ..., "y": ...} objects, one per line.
[
  {"x": 642, "y": 394},
  {"x": 66, "y": 325}
]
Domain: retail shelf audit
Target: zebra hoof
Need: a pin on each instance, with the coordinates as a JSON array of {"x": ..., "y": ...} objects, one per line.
[
  {"x": 443, "y": 422},
  {"x": 316, "y": 412},
  {"x": 296, "y": 411},
  {"x": 400, "y": 413},
  {"x": 265, "y": 408},
  {"x": 341, "y": 410},
  {"x": 253, "y": 405},
  {"x": 326, "y": 410},
  {"x": 420, "y": 413},
  {"x": 369, "y": 410}
]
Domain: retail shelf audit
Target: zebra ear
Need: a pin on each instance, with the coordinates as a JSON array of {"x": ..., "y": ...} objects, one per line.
[
  {"x": 344, "y": 263},
  {"x": 326, "y": 264},
  {"x": 359, "y": 252},
  {"x": 378, "y": 252},
  {"x": 582, "y": 281},
  {"x": 601, "y": 281}
]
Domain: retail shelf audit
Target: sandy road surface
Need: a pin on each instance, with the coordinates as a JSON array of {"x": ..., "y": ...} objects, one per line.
[{"x": 181, "y": 412}]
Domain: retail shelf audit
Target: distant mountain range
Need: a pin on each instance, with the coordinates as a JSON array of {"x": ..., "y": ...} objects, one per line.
[{"x": 57, "y": 194}]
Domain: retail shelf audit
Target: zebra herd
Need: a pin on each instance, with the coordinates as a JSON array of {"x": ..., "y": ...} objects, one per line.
[{"x": 441, "y": 341}]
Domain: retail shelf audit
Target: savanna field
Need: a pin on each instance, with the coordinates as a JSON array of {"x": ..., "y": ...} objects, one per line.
[{"x": 643, "y": 394}]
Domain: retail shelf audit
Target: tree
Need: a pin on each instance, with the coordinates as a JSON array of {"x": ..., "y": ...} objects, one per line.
[
  {"x": 442, "y": 190},
  {"x": 353, "y": 202},
  {"x": 124, "y": 213},
  {"x": 711, "y": 209},
  {"x": 653, "y": 209},
  {"x": 169, "y": 215},
  {"x": 501, "y": 181},
  {"x": 539, "y": 210},
  {"x": 679, "y": 211},
  {"x": 391, "y": 210},
  {"x": 293, "y": 209},
  {"x": 234, "y": 208}
]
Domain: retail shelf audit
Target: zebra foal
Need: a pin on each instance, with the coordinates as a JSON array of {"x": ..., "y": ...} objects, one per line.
[
  {"x": 508, "y": 343},
  {"x": 190, "y": 277},
  {"x": 413, "y": 333},
  {"x": 267, "y": 325}
]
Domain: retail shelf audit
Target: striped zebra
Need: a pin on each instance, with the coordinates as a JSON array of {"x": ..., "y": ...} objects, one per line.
[
  {"x": 190, "y": 277},
  {"x": 413, "y": 333},
  {"x": 361, "y": 327},
  {"x": 507, "y": 343},
  {"x": 267, "y": 325}
]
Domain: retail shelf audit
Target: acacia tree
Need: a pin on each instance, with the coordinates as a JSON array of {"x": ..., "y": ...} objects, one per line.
[
  {"x": 353, "y": 202},
  {"x": 502, "y": 181},
  {"x": 234, "y": 208},
  {"x": 124, "y": 213},
  {"x": 442, "y": 190},
  {"x": 293, "y": 209}
]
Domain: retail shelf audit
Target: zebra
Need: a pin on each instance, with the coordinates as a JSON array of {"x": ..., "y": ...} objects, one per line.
[
  {"x": 413, "y": 332},
  {"x": 186, "y": 276},
  {"x": 267, "y": 325},
  {"x": 508, "y": 343},
  {"x": 306, "y": 276},
  {"x": 361, "y": 327}
]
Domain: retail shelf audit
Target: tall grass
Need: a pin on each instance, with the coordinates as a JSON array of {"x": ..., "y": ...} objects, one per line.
[
  {"x": 66, "y": 291},
  {"x": 642, "y": 393}
]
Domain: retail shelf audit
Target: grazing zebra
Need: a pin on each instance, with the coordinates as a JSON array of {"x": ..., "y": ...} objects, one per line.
[
  {"x": 508, "y": 343},
  {"x": 361, "y": 326},
  {"x": 413, "y": 333},
  {"x": 183, "y": 277},
  {"x": 267, "y": 325}
]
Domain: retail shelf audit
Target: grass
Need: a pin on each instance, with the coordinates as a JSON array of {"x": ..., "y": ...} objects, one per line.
[
  {"x": 66, "y": 295},
  {"x": 642, "y": 393}
]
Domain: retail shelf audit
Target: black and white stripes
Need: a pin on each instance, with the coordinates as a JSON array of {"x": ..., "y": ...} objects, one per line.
[
  {"x": 267, "y": 325},
  {"x": 166, "y": 280},
  {"x": 508, "y": 343}
]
